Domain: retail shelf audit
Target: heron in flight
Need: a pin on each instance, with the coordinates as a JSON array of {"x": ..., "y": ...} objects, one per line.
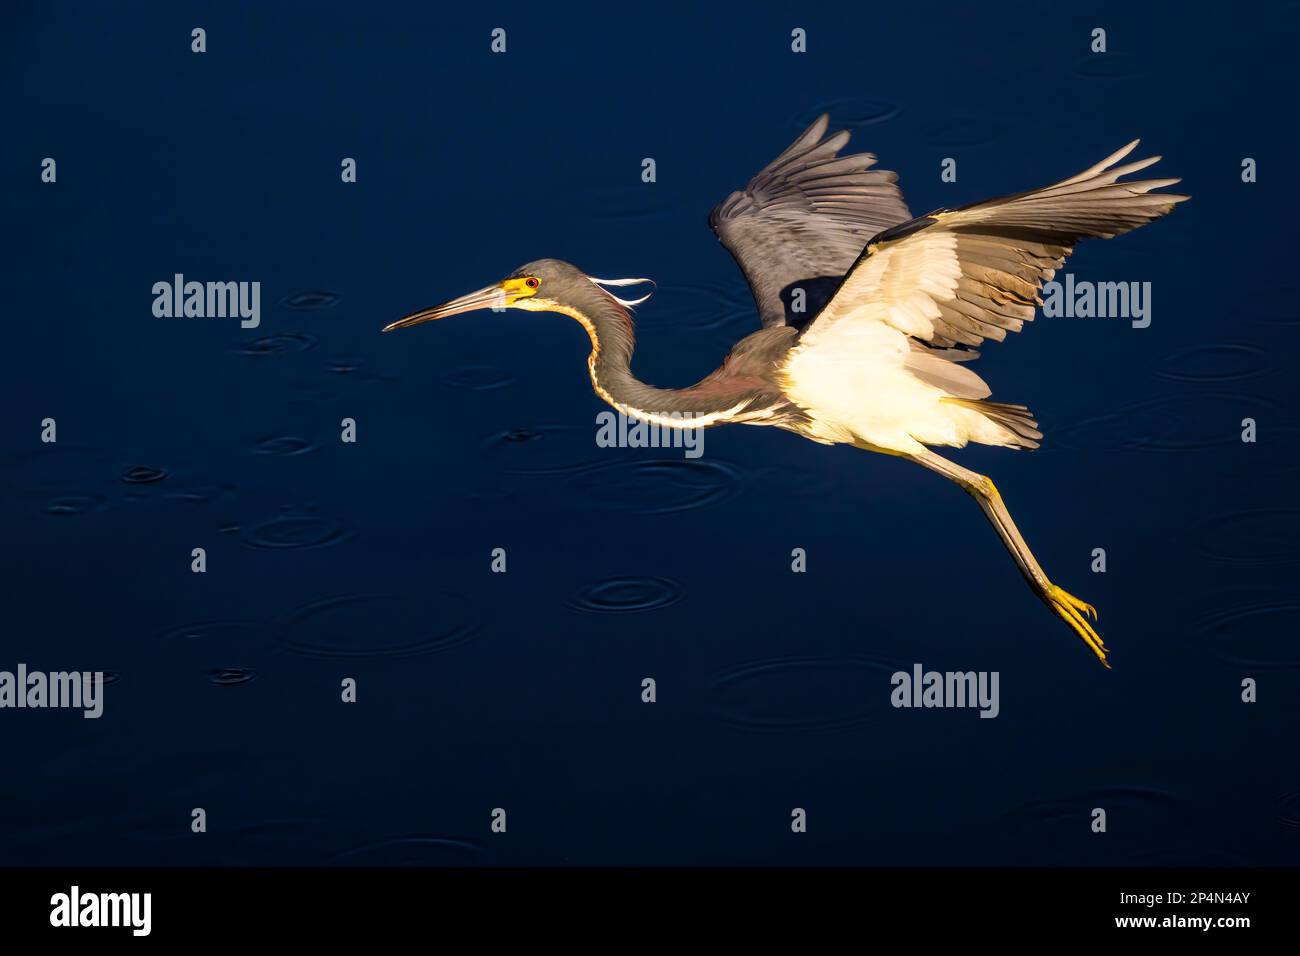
[{"x": 868, "y": 315}]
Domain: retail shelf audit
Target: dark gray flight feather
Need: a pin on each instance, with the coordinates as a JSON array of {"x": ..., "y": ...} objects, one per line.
[{"x": 803, "y": 221}]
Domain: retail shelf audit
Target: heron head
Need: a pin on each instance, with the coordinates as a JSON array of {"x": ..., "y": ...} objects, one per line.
[{"x": 546, "y": 285}]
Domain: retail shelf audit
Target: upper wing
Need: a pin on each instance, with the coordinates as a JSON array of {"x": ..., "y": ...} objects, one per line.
[
  {"x": 956, "y": 277},
  {"x": 803, "y": 221}
]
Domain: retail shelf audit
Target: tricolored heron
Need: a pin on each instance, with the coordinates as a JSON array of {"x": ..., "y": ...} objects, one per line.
[{"x": 867, "y": 314}]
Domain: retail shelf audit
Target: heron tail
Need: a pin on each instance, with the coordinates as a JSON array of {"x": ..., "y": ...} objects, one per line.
[{"x": 1017, "y": 420}]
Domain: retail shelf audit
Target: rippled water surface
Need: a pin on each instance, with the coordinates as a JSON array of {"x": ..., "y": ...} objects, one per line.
[{"x": 427, "y": 590}]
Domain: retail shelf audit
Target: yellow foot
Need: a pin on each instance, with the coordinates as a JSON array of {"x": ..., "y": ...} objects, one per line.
[{"x": 1075, "y": 613}]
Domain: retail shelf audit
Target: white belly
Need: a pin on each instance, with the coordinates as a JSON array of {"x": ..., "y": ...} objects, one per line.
[{"x": 853, "y": 381}]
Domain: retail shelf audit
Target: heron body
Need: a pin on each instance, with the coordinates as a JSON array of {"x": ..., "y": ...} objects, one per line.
[{"x": 868, "y": 315}]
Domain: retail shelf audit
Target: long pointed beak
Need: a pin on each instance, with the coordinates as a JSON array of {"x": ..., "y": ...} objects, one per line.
[{"x": 492, "y": 296}]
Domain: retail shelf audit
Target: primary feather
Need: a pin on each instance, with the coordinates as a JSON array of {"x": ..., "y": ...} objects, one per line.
[
  {"x": 803, "y": 220},
  {"x": 878, "y": 367}
]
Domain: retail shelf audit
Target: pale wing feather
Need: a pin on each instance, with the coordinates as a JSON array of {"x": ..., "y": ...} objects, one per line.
[
  {"x": 958, "y": 277},
  {"x": 879, "y": 363}
]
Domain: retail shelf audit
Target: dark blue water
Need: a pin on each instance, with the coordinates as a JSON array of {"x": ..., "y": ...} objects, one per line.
[{"x": 522, "y": 690}]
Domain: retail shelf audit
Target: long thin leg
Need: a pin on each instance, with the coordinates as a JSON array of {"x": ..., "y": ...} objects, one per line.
[{"x": 1063, "y": 604}]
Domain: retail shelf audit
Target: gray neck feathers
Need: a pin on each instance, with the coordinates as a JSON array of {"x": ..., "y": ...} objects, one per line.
[{"x": 612, "y": 369}]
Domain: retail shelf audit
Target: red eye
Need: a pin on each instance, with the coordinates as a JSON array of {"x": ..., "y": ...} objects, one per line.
[{"x": 531, "y": 282}]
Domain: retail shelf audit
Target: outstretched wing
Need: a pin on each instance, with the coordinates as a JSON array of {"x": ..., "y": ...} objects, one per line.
[
  {"x": 953, "y": 278},
  {"x": 804, "y": 220}
]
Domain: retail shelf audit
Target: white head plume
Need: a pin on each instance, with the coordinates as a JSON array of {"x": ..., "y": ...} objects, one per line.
[{"x": 627, "y": 303}]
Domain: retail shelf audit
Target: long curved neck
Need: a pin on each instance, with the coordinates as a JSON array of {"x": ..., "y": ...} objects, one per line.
[{"x": 613, "y": 339}]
